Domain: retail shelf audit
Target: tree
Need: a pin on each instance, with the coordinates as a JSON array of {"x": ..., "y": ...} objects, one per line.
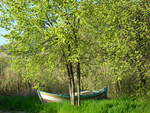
[
  {"x": 79, "y": 34},
  {"x": 45, "y": 32},
  {"x": 121, "y": 28}
]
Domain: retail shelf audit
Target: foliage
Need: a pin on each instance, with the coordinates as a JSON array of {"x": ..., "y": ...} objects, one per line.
[
  {"x": 121, "y": 31},
  {"x": 40, "y": 37},
  {"x": 110, "y": 39}
]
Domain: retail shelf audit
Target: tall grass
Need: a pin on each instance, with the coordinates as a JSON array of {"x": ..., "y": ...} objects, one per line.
[
  {"x": 33, "y": 105},
  {"x": 16, "y": 84},
  {"x": 104, "y": 106}
]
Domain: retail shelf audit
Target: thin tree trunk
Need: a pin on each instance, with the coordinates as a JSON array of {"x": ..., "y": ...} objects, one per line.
[
  {"x": 72, "y": 84},
  {"x": 78, "y": 82},
  {"x": 69, "y": 78}
]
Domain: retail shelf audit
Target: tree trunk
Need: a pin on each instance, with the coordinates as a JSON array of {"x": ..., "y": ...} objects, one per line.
[
  {"x": 71, "y": 83},
  {"x": 68, "y": 71},
  {"x": 78, "y": 82}
]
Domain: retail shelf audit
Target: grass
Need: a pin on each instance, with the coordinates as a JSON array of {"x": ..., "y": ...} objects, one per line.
[
  {"x": 19, "y": 103},
  {"x": 33, "y": 105}
]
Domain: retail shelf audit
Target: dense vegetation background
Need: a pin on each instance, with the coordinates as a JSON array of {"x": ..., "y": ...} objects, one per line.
[{"x": 109, "y": 39}]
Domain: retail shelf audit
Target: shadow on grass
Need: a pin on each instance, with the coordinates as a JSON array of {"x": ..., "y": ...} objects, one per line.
[{"x": 20, "y": 103}]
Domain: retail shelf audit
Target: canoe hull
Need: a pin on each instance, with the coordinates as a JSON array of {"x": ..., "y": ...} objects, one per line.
[{"x": 51, "y": 97}]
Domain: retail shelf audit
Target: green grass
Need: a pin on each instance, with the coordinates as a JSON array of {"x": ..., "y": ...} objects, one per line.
[
  {"x": 33, "y": 105},
  {"x": 19, "y": 103}
]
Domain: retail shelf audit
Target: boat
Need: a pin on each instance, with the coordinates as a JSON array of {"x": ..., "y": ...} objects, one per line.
[{"x": 52, "y": 97}]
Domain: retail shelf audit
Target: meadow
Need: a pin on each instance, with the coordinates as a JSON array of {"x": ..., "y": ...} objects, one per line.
[{"x": 30, "y": 104}]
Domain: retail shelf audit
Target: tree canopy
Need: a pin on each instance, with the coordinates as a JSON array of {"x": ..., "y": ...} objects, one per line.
[{"x": 80, "y": 36}]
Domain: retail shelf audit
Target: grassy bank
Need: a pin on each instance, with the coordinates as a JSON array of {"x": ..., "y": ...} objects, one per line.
[{"x": 33, "y": 105}]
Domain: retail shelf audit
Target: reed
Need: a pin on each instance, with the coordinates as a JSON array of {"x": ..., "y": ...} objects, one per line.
[{"x": 11, "y": 84}]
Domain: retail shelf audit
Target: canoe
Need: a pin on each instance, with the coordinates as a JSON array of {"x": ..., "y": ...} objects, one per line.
[{"x": 52, "y": 97}]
